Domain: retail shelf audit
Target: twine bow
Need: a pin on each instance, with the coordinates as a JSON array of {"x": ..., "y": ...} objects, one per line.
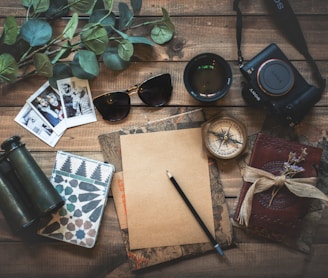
[{"x": 262, "y": 180}]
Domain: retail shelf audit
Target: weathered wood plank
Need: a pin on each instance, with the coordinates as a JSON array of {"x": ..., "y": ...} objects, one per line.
[
  {"x": 84, "y": 137},
  {"x": 218, "y": 35},
  {"x": 15, "y": 95},
  {"x": 190, "y": 7},
  {"x": 248, "y": 260}
]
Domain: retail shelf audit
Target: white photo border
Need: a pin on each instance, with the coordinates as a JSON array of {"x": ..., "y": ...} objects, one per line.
[
  {"x": 76, "y": 97},
  {"x": 53, "y": 117},
  {"x": 34, "y": 123}
]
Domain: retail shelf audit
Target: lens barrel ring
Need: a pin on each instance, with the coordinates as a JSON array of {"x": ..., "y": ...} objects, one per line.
[{"x": 207, "y": 77}]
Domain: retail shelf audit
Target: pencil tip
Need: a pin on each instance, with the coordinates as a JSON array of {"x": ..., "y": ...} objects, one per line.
[{"x": 168, "y": 173}]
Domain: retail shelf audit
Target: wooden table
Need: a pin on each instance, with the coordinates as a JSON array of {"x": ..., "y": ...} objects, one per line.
[{"x": 201, "y": 26}]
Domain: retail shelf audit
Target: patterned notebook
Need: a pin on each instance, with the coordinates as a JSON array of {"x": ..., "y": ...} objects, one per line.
[{"x": 84, "y": 183}]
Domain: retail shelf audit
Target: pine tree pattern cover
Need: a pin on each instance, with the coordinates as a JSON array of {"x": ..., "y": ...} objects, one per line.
[{"x": 84, "y": 184}]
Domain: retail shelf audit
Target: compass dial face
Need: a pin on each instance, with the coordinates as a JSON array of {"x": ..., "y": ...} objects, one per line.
[{"x": 224, "y": 137}]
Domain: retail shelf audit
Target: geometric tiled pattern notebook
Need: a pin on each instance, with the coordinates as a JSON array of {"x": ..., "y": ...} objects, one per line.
[{"x": 84, "y": 184}]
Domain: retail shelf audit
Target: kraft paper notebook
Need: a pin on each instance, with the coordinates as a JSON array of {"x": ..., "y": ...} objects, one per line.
[
  {"x": 146, "y": 257},
  {"x": 84, "y": 184},
  {"x": 150, "y": 195}
]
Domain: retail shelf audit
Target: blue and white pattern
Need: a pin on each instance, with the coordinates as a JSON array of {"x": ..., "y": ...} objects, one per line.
[{"x": 84, "y": 184}]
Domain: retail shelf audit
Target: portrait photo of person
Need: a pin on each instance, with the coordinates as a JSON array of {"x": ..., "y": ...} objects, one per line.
[
  {"x": 77, "y": 101},
  {"x": 55, "y": 104},
  {"x": 67, "y": 96},
  {"x": 43, "y": 105},
  {"x": 81, "y": 102},
  {"x": 47, "y": 102}
]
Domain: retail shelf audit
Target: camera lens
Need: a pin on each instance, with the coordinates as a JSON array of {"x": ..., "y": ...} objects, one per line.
[
  {"x": 207, "y": 77},
  {"x": 275, "y": 77}
]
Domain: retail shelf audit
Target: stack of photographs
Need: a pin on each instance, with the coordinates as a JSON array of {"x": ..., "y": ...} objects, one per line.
[{"x": 49, "y": 112}]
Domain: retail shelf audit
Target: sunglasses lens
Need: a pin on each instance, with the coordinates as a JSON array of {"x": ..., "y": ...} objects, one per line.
[
  {"x": 114, "y": 106},
  {"x": 156, "y": 91}
]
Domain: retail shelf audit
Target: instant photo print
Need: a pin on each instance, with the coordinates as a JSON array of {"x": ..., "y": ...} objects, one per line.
[
  {"x": 48, "y": 105},
  {"x": 34, "y": 123},
  {"x": 76, "y": 97}
]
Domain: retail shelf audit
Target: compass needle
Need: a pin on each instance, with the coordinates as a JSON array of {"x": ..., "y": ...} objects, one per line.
[{"x": 224, "y": 137}]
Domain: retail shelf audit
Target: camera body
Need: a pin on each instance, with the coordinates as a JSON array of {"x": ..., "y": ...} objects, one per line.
[{"x": 273, "y": 82}]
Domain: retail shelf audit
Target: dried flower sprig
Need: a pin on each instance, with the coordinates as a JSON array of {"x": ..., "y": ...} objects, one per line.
[{"x": 290, "y": 169}]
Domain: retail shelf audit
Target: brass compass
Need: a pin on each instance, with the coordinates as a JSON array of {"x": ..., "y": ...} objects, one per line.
[{"x": 224, "y": 137}]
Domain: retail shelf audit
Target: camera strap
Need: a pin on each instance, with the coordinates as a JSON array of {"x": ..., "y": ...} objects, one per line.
[{"x": 288, "y": 24}]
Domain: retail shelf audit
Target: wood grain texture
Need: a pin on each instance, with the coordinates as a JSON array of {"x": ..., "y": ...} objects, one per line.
[{"x": 201, "y": 26}]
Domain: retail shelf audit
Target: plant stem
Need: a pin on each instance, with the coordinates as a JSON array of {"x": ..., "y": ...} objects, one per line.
[
  {"x": 145, "y": 23},
  {"x": 274, "y": 194}
]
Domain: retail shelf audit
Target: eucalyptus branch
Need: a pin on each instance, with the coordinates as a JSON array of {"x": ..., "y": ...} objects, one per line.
[
  {"x": 25, "y": 63},
  {"x": 25, "y": 55},
  {"x": 99, "y": 39},
  {"x": 29, "y": 74},
  {"x": 29, "y": 56}
]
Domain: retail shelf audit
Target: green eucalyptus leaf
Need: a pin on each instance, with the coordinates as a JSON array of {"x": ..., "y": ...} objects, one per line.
[
  {"x": 10, "y": 31},
  {"x": 36, "y": 32},
  {"x": 42, "y": 64},
  {"x": 81, "y": 6},
  {"x": 167, "y": 20},
  {"x": 142, "y": 40},
  {"x": 85, "y": 65},
  {"x": 60, "y": 71},
  {"x": 99, "y": 5},
  {"x": 57, "y": 9},
  {"x": 122, "y": 34},
  {"x": 125, "y": 50},
  {"x": 95, "y": 38},
  {"x": 71, "y": 26},
  {"x": 136, "y": 5},
  {"x": 161, "y": 34},
  {"x": 112, "y": 60},
  {"x": 40, "y": 6},
  {"x": 110, "y": 4},
  {"x": 8, "y": 68},
  {"x": 104, "y": 18},
  {"x": 126, "y": 16}
]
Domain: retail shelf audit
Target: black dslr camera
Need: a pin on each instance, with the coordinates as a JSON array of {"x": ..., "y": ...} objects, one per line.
[{"x": 273, "y": 82}]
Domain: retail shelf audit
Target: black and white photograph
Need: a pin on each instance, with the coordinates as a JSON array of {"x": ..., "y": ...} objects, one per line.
[
  {"x": 46, "y": 101},
  {"x": 77, "y": 101},
  {"x": 31, "y": 120}
]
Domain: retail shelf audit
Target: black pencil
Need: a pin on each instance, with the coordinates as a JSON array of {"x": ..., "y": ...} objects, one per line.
[{"x": 194, "y": 212}]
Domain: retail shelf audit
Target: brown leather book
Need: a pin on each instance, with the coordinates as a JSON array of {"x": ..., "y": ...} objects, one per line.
[{"x": 282, "y": 220}]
